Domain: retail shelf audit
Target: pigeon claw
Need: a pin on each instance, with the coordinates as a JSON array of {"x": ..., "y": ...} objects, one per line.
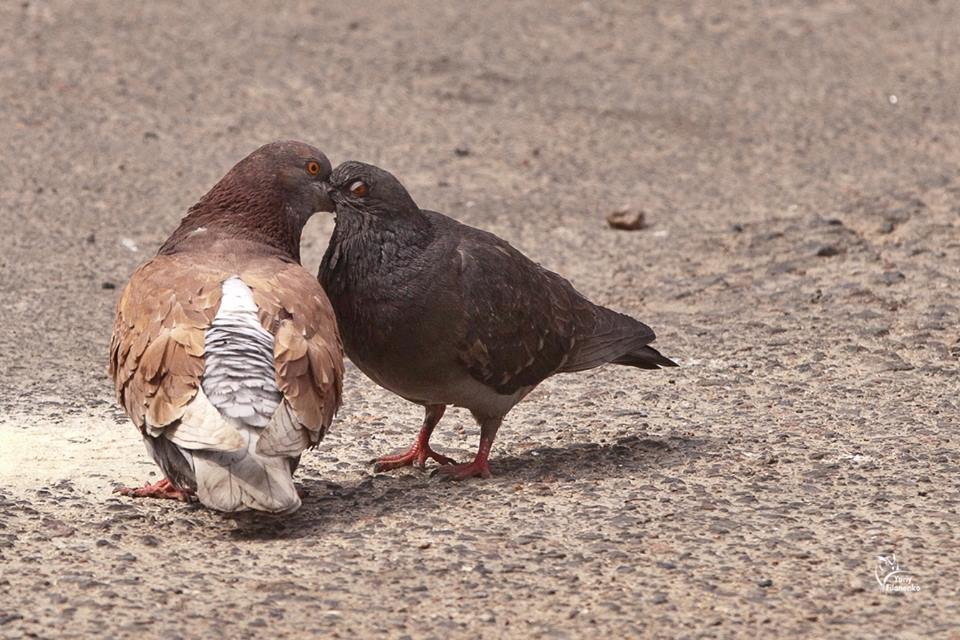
[
  {"x": 416, "y": 456},
  {"x": 475, "y": 469},
  {"x": 163, "y": 489}
]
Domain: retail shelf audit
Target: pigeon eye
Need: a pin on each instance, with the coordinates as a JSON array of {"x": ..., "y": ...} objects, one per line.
[
  {"x": 313, "y": 168},
  {"x": 358, "y": 188}
]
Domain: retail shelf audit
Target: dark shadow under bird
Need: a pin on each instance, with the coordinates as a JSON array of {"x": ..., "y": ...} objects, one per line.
[{"x": 443, "y": 314}]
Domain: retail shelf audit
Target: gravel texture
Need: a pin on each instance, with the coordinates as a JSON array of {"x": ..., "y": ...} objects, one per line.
[{"x": 797, "y": 164}]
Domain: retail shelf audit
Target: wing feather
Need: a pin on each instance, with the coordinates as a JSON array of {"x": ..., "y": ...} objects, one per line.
[
  {"x": 520, "y": 319},
  {"x": 308, "y": 352},
  {"x": 156, "y": 353},
  {"x": 157, "y": 349}
]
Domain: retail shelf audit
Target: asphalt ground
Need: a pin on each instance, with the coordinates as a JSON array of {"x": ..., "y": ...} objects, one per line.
[{"x": 797, "y": 165}]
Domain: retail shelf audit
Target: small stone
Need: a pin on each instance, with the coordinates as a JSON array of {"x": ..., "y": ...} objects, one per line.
[
  {"x": 766, "y": 582},
  {"x": 889, "y": 361},
  {"x": 106, "y": 284},
  {"x": 461, "y": 152},
  {"x": 627, "y": 218},
  {"x": 828, "y": 251},
  {"x": 892, "y": 277}
]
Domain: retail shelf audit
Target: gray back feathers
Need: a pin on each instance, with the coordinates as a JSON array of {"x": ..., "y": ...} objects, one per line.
[{"x": 239, "y": 376}]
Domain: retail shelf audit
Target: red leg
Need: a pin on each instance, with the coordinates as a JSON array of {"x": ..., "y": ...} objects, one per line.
[
  {"x": 479, "y": 467},
  {"x": 418, "y": 454},
  {"x": 163, "y": 489}
]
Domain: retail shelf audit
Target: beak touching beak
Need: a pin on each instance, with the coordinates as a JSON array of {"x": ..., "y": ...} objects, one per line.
[{"x": 325, "y": 202}]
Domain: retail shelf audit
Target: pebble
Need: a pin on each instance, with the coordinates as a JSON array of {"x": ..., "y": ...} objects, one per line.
[
  {"x": 627, "y": 219},
  {"x": 892, "y": 277}
]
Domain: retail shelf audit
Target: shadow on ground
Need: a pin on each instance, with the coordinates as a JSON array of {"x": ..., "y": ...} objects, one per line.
[{"x": 327, "y": 504}]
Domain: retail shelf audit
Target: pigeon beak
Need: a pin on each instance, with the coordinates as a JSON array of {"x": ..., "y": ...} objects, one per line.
[{"x": 324, "y": 201}]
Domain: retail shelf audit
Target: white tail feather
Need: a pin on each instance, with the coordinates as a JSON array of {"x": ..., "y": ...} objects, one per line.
[
  {"x": 284, "y": 435},
  {"x": 202, "y": 427},
  {"x": 239, "y": 480}
]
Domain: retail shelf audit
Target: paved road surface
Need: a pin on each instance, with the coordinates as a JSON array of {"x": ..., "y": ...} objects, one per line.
[{"x": 798, "y": 163}]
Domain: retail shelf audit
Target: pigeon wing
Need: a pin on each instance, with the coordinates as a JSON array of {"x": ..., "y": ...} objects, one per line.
[
  {"x": 157, "y": 350},
  {"x": 308, "y": 352},
  {"x": 520, "y": 320},
  {"x": 156, "y": 353}
]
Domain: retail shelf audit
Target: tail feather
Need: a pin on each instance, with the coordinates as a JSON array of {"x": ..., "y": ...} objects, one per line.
[
  {"x": 645, "y": 358},
  {"x": 240, "y": 480},
  {"x": 231, "y": 465},
  {"x": 616, "y": 338}
]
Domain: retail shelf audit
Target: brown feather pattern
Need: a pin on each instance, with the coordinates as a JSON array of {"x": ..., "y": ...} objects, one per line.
[
  {"x": 308, "y": 352},
  {"x": 156, "y": 354}
]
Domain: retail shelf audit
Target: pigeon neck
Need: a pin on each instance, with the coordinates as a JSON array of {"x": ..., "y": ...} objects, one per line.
[
  {"x": 365, "y": 246},
  {"x": 411, "y": 228},
  {"x": 260, "y": 219}
]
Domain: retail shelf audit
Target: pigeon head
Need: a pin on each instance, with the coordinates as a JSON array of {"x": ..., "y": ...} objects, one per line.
[
  {"x": 357, "y": 187},
  {"x": 266, "y": 197}
]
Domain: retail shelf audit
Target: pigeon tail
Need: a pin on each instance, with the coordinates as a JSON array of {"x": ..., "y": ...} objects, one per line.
[
  {"x": 645, "y": 358},
  {"x": 231, "y": 466},
  {"x": 245, "y": 479},
  {"x": 614, "y": 337}
]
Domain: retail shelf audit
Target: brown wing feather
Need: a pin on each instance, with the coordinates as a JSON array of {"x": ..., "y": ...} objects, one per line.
[
  {"x": 156, "y": 354},
  {"x": 308, "y": 352}
]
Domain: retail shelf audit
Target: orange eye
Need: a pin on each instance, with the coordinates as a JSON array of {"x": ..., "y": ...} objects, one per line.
[
  {"x": 313, "y": 168},
  {"x": 358, "y": 188}
]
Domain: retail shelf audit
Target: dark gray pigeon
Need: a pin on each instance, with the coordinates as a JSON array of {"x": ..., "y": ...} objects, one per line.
[{"x": 441, "y": 313}]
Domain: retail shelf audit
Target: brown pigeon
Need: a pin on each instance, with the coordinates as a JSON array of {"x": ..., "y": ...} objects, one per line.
[
  {"x": 225, "y": 350},
  {"x": 441, "y": 313}
]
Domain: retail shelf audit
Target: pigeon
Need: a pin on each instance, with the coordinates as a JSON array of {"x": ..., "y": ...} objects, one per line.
[
  {"x": 441, "y": 313},
  {"x": 225, "y": 350}
]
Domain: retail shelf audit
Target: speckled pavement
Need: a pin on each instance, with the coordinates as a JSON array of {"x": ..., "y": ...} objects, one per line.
[{"x": 798, "y": 167}]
